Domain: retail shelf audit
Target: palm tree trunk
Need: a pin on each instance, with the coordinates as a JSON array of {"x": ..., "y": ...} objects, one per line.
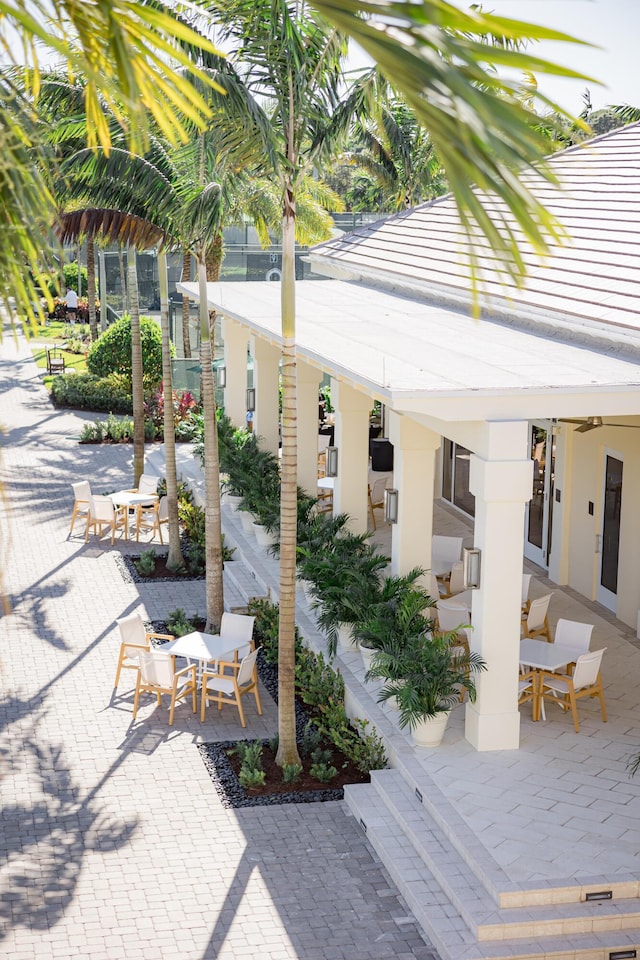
[
  {"x": 136, "y": 371},
  {"x": 123, "y": 281},
  {"x": 287, "y": 746},
  {"x": 215, "y": 253},
  {"x": 213, "y": 522},
  {"x": 175, "y": 560},
  {"x": 186, "y": 303},
  {"x": 91, "y": 287}
]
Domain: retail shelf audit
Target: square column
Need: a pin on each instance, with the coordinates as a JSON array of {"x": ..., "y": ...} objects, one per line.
[
  {"x": 266, "y": 380},
  {"x": 352, "y": 440},
  {"x": 414, "y": 457},
  {"x": 307, "y": 385},
  {"x": 501, "y": 489},
  {"x": 235, "y": 338}
]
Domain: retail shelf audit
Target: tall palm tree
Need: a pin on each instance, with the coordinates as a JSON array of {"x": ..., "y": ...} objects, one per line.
[{"x": 392, "y": 147}]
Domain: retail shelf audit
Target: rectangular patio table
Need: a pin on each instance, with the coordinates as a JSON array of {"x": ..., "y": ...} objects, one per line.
[
  {"x": 130, "y": 499},
  {"x": 540, "y": 656},
  {"x": 203, "y": 647}
]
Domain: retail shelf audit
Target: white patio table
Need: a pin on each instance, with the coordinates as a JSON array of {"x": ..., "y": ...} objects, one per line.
[
  {"x": 203, "y": 647},
  {"x": 540, "y": 655},
  {"x": 129, "y": 500}
]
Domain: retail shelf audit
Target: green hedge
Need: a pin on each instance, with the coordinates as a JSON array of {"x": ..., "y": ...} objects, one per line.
[{"x": 84, "y": 391}]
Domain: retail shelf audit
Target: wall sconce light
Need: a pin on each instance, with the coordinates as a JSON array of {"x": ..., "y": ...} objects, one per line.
[
  {"x": 332, "y": 462},
  {"x": 391, "y": 506},
  {"x": 251, "y": 399},
  {"x": 471, "y": 568},
  {"x": 221, "y": 376}
]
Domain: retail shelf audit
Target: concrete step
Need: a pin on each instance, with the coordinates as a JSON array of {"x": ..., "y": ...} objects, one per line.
[{"x": 458, "y": 915}]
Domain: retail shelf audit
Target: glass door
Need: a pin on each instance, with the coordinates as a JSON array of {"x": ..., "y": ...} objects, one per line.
[
  {"x": 609, "y": 537},
  {"x": 538, "y": 513}
]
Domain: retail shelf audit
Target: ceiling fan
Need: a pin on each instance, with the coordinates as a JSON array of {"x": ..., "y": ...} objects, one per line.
[{"x": 591, "y": 423}]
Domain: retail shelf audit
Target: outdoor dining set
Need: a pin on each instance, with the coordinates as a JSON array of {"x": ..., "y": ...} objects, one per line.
[
  {"x": 560, "y": 669},
  {"x": 140, "y": 509},
  {"x": 221, "y": 666}
]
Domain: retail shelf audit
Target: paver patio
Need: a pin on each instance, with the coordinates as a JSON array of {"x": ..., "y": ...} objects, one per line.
[{"x": 114, "y": 843}]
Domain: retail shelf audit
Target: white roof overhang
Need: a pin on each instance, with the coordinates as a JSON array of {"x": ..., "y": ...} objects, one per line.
[{"x": 434, "y": 360}]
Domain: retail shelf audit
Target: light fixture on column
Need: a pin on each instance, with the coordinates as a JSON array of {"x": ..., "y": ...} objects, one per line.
[
  {"x": 221, "y": 376},
  {"x": 251, "y": 399},
  {"x": 331, "y": 468},
  {"x": 471, "y": 568},
  {"x": 391, "y": 506}
]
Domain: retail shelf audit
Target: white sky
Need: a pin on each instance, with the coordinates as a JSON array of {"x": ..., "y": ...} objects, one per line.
[{"x": 612, "y": 25}]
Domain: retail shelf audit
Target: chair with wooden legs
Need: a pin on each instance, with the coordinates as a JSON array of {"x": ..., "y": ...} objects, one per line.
[
  {"x": 526, "y": 585},
  {"x": 152, "y": 517},
  {"x": 102, "y": 513},
  {"x": 148, "y": 483},
  {"x": 158, "y": 675},
  {"x": 235, "y": 627},
  {"x": 455, "y": 583},
  {"x": 376, "y": 497},
  {"x": 566, "y": 689},
  {"x": 134, "y": 639},
  {"x": 536, "y": 622},
  {"x": 81, "y": 498},
  {"x": 527, "y": 689},
  {"x": 231, "y": 684}
]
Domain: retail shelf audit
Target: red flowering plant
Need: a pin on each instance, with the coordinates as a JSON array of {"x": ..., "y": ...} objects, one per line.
[{"x": 185, "y": 407}]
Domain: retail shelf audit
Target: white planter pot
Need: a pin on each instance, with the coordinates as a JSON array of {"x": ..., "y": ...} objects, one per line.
[
  {"x": 233, "y": 501},
  {"x": 345, "y": 637},
  {"x": 367, "y": 656},
  {"x": 430, "y": 731},
  {"x": 263, "y": 536},
  {"x": 246, "y": 519}
]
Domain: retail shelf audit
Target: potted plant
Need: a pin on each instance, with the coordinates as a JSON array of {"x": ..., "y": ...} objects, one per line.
[
  {"x": 399, "y": 613},
  {"x": 348, "y": 588},
  {"x": 431, "y": 672}
]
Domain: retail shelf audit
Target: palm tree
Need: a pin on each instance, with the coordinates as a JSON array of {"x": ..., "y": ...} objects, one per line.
[{"x": 396, "y": 151}]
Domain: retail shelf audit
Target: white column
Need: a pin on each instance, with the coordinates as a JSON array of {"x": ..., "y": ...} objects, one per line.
[
  {"x": 352, "y": 440},
  {"x": 501, "y": 487},
  {"x": 414, "y": 456},
  {"x": 235, "y": 338},
  {"x": 266, "y": 380},
  {"x": 561, "y": 506},
  {"x": 307, "y": 385}
]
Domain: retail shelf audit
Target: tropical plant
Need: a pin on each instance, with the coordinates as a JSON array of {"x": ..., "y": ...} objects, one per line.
[
  {"x": 397, "y": 617},
  {"x": 429, "y": 675},
  {"x": 112, "y": 351}
]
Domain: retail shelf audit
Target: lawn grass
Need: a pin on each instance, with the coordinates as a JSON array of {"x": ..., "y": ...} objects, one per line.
[{"x": 52, "y": 335}]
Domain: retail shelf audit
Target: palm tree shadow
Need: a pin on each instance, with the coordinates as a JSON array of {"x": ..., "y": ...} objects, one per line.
[{"x": 45, "y": 842}]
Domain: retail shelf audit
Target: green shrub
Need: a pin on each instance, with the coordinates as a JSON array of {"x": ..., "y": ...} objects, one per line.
[
  {"x": 84, "y": 391},
  {"x": 251, "y": 772},
  {"x": 266, "y": 628},
  {"x": 112, "y": 351},
  {"x": 178, "y": 623},
  {"x": 147, "y": 562},
  {"x": 323, "y": 772},
  {"x": 291, "y": 772}
]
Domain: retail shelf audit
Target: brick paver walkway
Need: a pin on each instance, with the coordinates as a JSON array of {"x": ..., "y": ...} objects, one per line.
[{"x": 113, "y": 842}]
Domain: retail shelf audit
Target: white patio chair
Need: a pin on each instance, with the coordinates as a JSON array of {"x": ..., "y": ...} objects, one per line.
[
  {"x": 152, "y": 517},
  {"x": 230, "y": 685},
  {"x": 81, "y": 498},
  {"x": 102, "y": 513},
  {"x": 376, "y": 496},
  {"x": 572, "y": 633},
  {"x": 238, "y": 627},
  {"x": 444, "y": 553},
  {"x": 536, "y": 623},
  {"x": 148, "y": 483},
  {"x": 456, "y": 580},
  {"x": 526, "y": 586},
  {"x": 134, "y": 639},
  {"x": 585, "y": 681},
  {"x": 454, "y": 617},
  {"x": 526, "y": 690},
  {"x": 158, "y": 675}
]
